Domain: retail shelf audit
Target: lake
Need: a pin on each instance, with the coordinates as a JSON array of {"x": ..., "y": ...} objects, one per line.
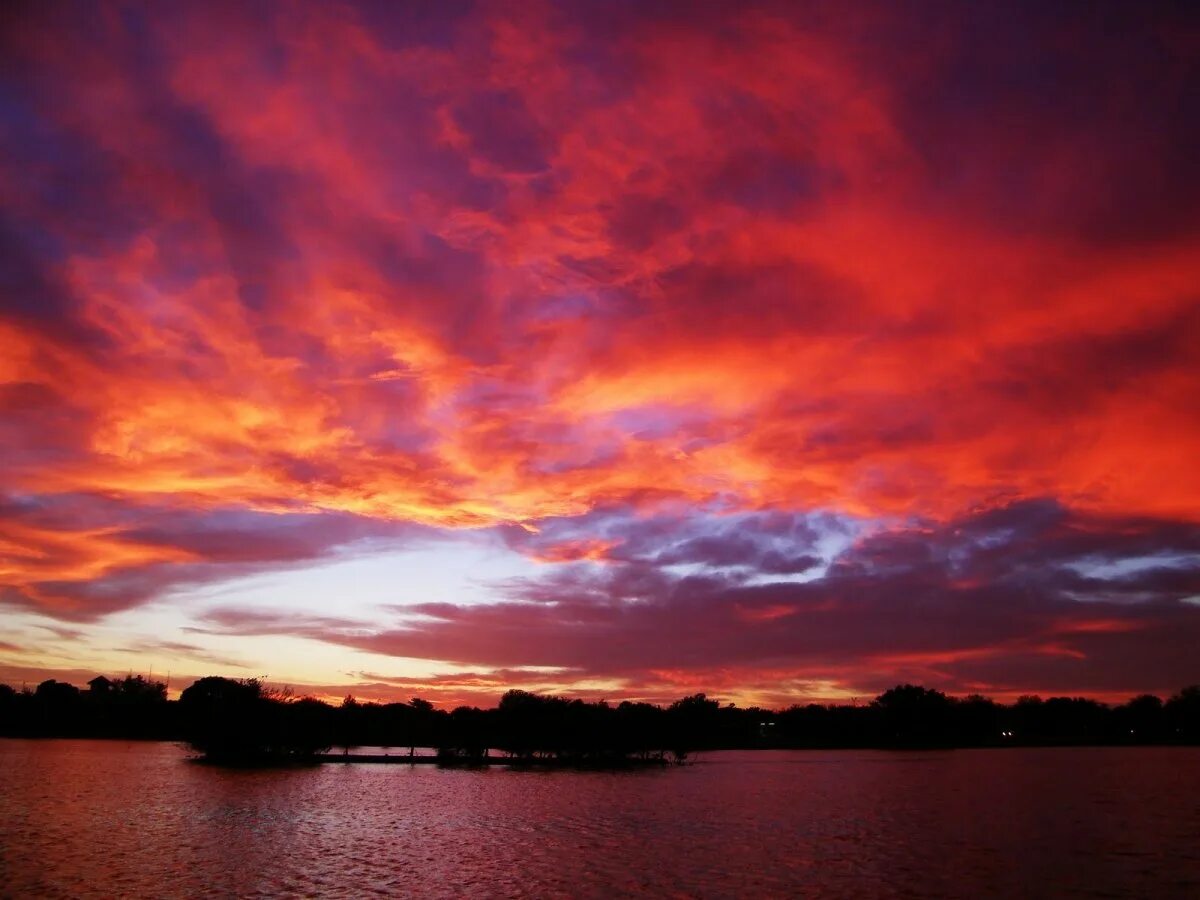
[{"x": 124, "y": 819}]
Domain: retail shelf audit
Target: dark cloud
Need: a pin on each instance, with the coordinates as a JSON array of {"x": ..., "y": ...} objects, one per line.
[
  {"x": 989, "y": 600},
  {"x": 1047, "y": 117}
]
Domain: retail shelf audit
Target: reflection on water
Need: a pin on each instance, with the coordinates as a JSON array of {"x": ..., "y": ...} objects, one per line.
[{"x": 107, "y": 819}]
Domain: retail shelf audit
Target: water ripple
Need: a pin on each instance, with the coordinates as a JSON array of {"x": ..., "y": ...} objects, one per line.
[{"x": 84, "y": 819}]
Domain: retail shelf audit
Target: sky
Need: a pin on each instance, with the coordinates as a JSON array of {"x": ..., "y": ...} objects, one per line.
[{"x": 625, "y": 350}]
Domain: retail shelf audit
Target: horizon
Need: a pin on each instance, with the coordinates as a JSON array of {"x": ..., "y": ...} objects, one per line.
[
  {"x": 288, "y": 693},
  {"x": 780, "y": 353}
]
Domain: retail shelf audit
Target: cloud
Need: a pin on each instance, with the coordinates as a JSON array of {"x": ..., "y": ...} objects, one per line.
[
  {"x": 79, "y": 557},
  {"x": 283, "y": 285},
  {"x": 995, "y": 599},
  {"x": 228, "y": 620},
  {"x": 175, "y": 649}
]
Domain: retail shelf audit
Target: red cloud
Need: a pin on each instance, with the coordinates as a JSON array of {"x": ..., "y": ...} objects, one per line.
[{"x": 526, "y": 264}]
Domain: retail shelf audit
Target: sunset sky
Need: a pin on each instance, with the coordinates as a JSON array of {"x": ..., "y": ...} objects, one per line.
[{"x": 782, "y": 351}]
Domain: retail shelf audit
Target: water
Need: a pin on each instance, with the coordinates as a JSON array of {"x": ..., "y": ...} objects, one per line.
[{"x": 117, "y": 819}]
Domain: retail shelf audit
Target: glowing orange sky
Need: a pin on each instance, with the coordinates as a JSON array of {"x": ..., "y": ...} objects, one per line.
[{"x": 787, "y": 351}]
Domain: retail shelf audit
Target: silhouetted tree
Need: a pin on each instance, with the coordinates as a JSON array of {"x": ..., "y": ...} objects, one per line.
[
  {"x": 911, "y": 715},
  {"x": 977, "y": 720},
  {"x": 1141, "y": 719},
  {"x": 466, "y": 738},
  {"x": 693, "y": 722},
  {"x": 1182, "y": 713},
  {"x": 238, "y": 721},
  {"x": 244, "y": 721}
]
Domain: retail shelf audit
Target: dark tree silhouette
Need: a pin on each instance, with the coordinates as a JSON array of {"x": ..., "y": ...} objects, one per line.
[
  {"x": 244, "y": 722},
  {"x": 1183, "y": 714},
  {"x": 914, "y": 716},
  {"x": 238, "y": 722}
]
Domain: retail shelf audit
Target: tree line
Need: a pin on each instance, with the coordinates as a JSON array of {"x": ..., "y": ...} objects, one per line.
[{"x": 242, "y": 719}]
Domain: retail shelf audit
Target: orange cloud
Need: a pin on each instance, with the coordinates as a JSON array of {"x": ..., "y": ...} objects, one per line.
[{"x": 528, "y": 265}]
